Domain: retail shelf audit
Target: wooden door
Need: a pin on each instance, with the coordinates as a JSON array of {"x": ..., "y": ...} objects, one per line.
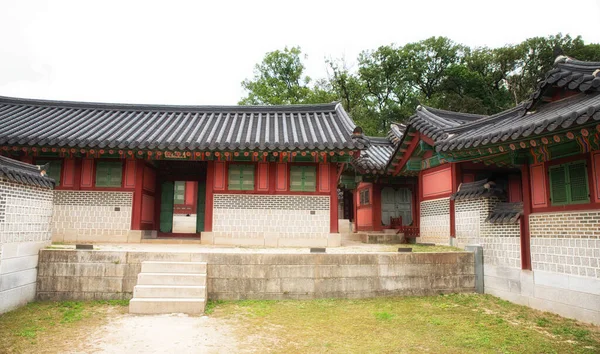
[
  {"x": 166, "y": 206},
  {"x": 403, "y": 205},
  {"x": 201, "y": 207},
  {"x": 388, "y": 205}
]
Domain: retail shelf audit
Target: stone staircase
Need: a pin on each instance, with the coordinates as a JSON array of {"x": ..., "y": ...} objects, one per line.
[{"x": 170, "y": 287}]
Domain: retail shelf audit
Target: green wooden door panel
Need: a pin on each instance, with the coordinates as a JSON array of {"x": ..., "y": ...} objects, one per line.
[
  {"x": 578, "y": 183},
  {"x": 201, "y": 207},
  {"x": 558, "y": 185},
  {"x": 166, "y": 206}
]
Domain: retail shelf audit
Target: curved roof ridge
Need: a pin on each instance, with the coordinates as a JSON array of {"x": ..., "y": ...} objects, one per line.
[
  {"x": 453, "y": 114},
  {"x": 151, "y": 107}
]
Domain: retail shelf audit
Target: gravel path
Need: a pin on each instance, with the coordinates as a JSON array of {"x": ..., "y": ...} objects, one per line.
[{"x": 176, "y": 333}]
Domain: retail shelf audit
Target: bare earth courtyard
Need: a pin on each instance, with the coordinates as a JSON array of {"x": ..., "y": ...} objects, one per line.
[{"x": 463, "y": 323}]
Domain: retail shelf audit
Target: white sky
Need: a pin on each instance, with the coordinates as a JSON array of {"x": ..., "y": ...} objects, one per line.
[{"x": 198, "y": 52}]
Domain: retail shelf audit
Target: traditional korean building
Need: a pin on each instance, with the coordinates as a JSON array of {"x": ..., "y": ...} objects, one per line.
[
  {"x": 524, "y": 184},
  {"x": 243, "y": 175}
]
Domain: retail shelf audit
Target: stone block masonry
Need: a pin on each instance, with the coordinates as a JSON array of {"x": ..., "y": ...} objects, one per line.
[
  {"x": 25, "y": 214},
  {"x": 93, "y": 216},
  {"x": 79, "y": 275},
  {"x": 435, "y": 221},
  {"x": 564, "y": 254},
  {"x": 271, "y": 220}
]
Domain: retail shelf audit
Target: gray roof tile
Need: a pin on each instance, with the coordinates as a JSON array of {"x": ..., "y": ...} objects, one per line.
[
  {"x": 128, "y": 126},
  {"x": 21, "y": 172}
]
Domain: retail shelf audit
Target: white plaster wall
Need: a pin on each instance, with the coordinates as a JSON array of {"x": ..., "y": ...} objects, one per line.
[
  {"x": 93, "y": 216},
  {"x": 25, "y": 215},
  {"x": 266, "y": 220},
  {"x": 435, "y": 222},
  {"x": 565, "y": 278}
]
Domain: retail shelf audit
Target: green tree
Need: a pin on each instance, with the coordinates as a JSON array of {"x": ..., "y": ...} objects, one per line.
[{"x": 279, "y": 79}]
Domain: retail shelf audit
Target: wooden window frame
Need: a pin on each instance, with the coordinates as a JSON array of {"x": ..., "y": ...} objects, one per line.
[
  {"x": 364, "y": 196},
  {"x": 108, "y": 185},
  {"x": 241, "y": 166},
  {"x": 567, "y": 183},
  {"x": 303, "y": 187}
]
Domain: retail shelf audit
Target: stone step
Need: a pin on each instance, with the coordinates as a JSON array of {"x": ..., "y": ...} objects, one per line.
[
  {"x": 171, "y": 279},
  {"x": 169, "y": 291},
  {"x": 192, "y": 306},
  {"x": 174, "y": 267}
]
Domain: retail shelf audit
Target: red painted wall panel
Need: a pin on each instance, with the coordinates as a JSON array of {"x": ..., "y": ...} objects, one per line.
[
  {"x": 68, "y": 177},
  {"x": 514, "y": 189},
  {"x": 596, "y": 175},
  {"x": 149, "y": 182},
  {"x": 130, "y": 173},
  {"x": 87, "y": 172},
  {"x": 468, "y": 178},
  {"x": 437, "y": 183},
  {"x": 147, "y": 209},
  {"x": 539, "y": 197},
  {"x": 219, "y": 176},
  {"x": 281, "y": 185},
  {"x": 324, "y": 177},
  {"x": 263, "y": 177}
]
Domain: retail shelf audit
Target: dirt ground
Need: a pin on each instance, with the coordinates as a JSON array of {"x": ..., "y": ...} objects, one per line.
[{"x": 175, "y": 333}]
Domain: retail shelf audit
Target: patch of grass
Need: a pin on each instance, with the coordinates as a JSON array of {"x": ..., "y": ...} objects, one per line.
[
  {"x": 384, "y": 316},
  {"x": 211, "y": 305},
  {"x": 42, "y": 327},
  {"x": 455, "y": 323}
]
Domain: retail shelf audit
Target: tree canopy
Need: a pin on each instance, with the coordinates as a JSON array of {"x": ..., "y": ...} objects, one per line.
[{"x": 390, "y": 81}]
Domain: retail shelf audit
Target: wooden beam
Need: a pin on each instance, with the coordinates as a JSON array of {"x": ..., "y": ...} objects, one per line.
[{"x": 408, "y": 153}]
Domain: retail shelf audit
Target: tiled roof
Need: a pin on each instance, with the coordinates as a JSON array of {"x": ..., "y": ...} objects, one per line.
[
  {"x": 380, "y": 151},
  {"x": 517, "y": 124},
  {"x": 571, "y": 74},
  {"x": 101, "y": 125},
  {"x": 25, "y": 173},
  {"x": 376, "y": 157},
  {"x": 478, "y": 189},
  {"x": 432, "y": 122},
  {"x": 505, "y": 213},
  {"x": 530, "y": 118}
]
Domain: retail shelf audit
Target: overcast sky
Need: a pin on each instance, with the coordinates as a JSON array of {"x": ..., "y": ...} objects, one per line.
[{"x": 198, "y": 52}]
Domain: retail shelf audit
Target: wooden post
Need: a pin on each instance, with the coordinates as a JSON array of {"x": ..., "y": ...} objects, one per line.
[{"x": 525, "y": 237}]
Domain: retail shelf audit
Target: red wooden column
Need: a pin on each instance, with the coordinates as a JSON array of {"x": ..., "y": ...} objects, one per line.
[
  {"x": 376, "y": 206},
  {"x": 354, "y": 208},
  {"x": 525, "y": 238},
  {"x": 333, "y": 201},
  {"x": 208, "y": 213},
  {"x": 456, "y": 178},
  {"x": 134, "y": 178}
]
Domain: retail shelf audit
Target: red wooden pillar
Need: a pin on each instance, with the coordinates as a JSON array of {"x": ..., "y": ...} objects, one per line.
[
  {"x": 455, "y": 173},
  {"x": 208, "y": 213},
  {"x": 376, "y": 207},
  {"x": 354, "y": 208},
  {"x": 134, "y": 178},
  {"x": 525, "y": 238},
  {"x": 333, "y": 201}
]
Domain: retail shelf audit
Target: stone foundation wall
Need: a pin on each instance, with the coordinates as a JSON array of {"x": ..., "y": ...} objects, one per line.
[
  {"x": 435, "y": 221},
  {"x": 93, "y": 216},
  {"x": 501, "y": 242},
  {"x": 86, "y": 275},
  {"x": 25, "y": 215},
  {"x": 271, "y": 220},
  {"x": 565, "y": 251}
]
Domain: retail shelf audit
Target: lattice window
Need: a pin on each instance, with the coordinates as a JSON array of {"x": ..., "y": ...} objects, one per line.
[
  {"x": 303, "y": 178},
  {"x": 241, "y": 177},
  {"x": 365, "y": 197},
  {"x": 109, "y": 173},
  {"x": 569, "y": 183}
]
